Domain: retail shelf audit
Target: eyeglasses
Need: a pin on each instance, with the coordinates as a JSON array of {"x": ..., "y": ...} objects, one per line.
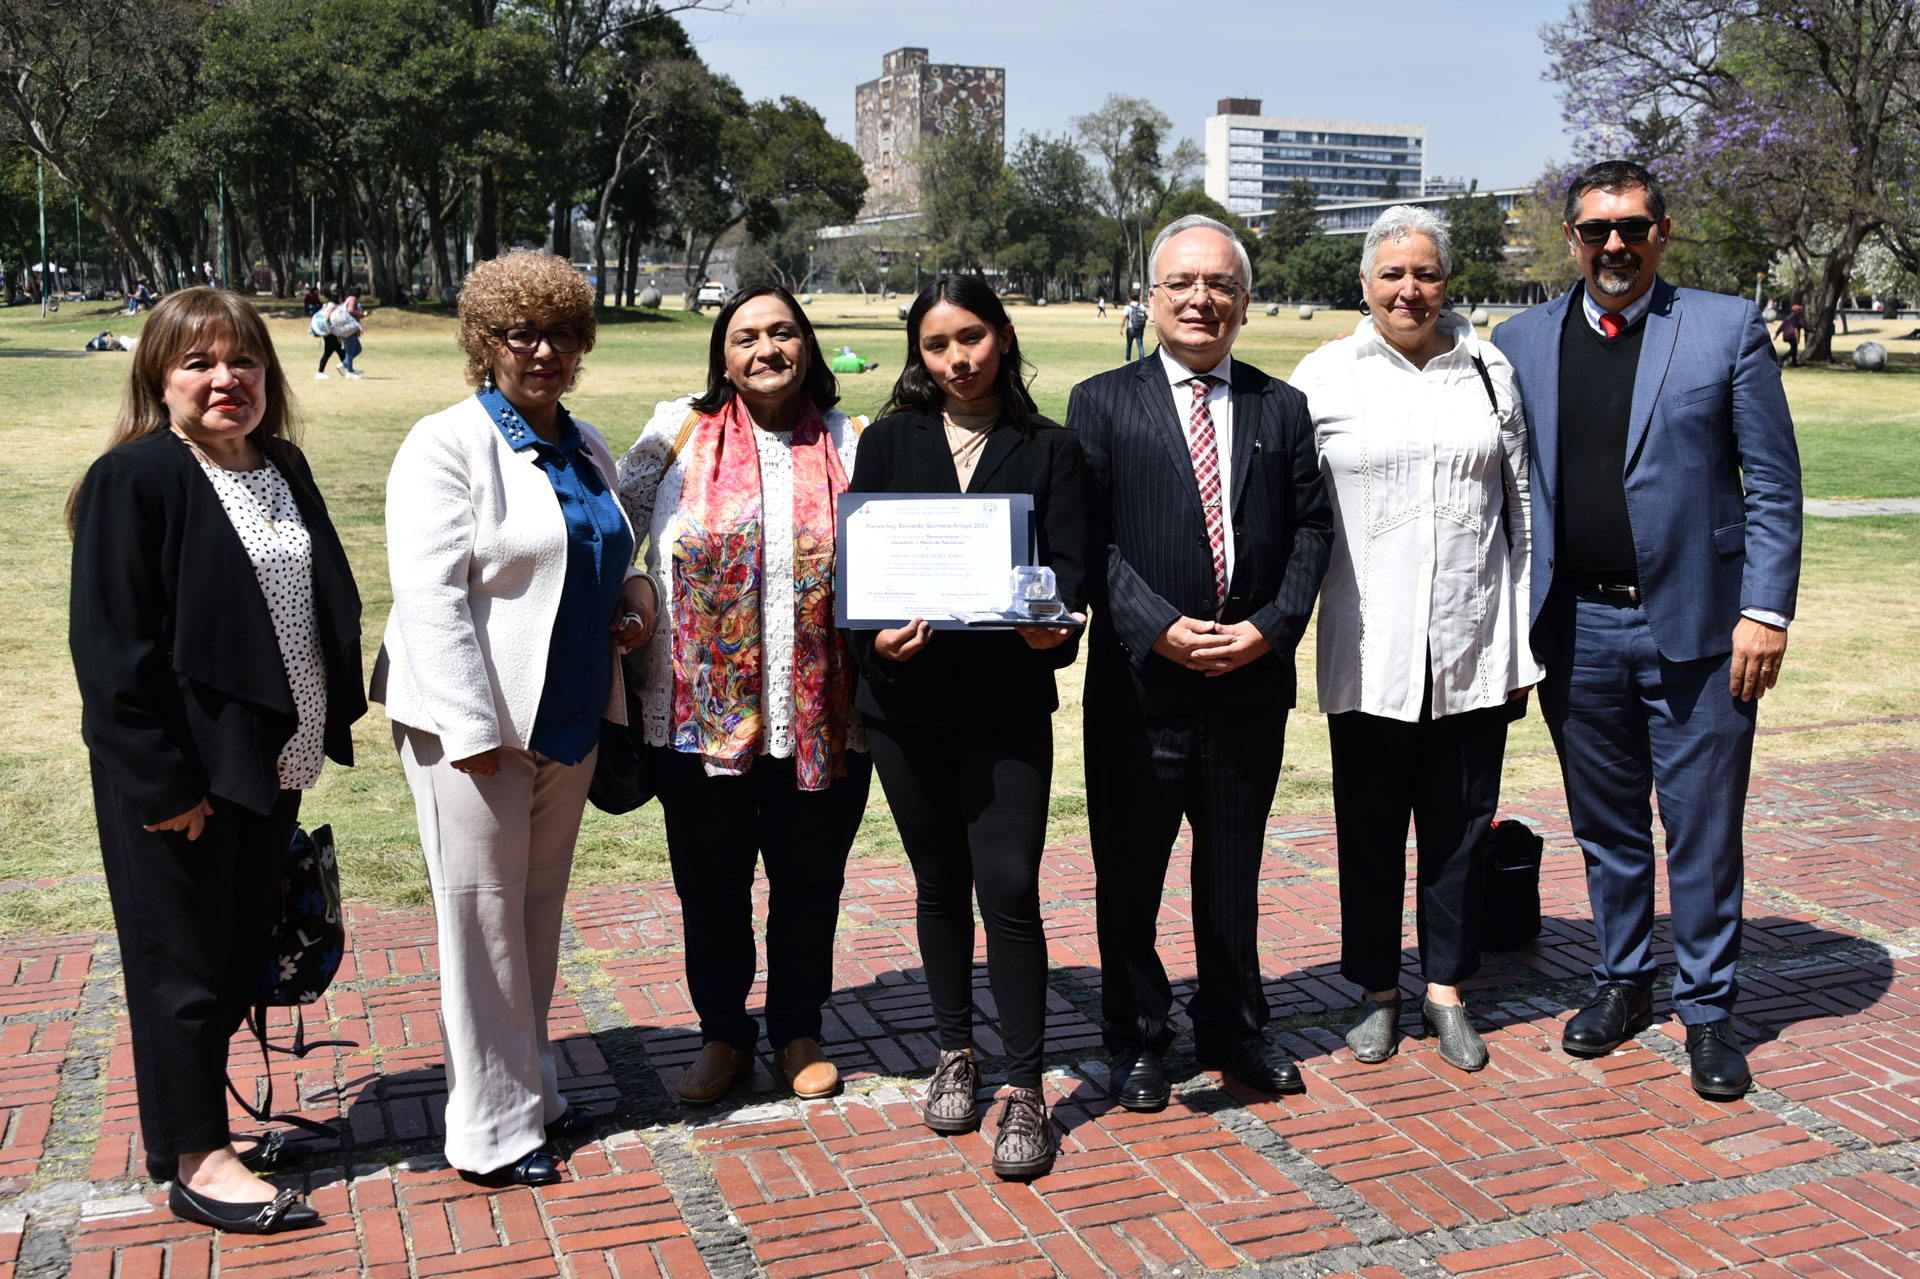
[
  {"x": 524, "y": 340},
  {"x": 1219, "y": 287},
  {"x": 1631, "y": 231}
]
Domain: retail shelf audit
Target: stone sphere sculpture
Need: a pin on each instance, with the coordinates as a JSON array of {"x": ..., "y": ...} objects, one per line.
[
  {"x": 1481, "y": 317},
  {"x": 1306, "y": 312},
  {"x": 1040, "y": 301},
  {"x": 806, "y": 299},
  {"x": 903, "y": 308},
  {"x": 650, "y": 298},
  {"x": 1273, "y": 308},
  {"x": 1870, "y": 357},
  {"x": 1771, "y": 315}
]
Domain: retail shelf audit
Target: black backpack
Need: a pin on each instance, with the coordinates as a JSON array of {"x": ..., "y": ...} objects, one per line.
[
  {"x": 302, "y": 959},
  {"x": 1511, "y": 909}
]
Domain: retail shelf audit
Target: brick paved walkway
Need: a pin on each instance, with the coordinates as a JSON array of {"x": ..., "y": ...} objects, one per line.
[{"x": 1542, "y": 1166}]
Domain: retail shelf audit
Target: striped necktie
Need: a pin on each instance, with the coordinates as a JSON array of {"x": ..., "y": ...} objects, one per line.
[{"x": 1206, "y": 473}]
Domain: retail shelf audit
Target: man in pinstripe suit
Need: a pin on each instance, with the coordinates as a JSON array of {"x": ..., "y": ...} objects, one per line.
[{"x": 1217, "y": 531}]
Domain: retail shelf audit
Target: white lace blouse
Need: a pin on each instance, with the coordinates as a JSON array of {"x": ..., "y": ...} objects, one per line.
[
  {"x": 261, "y": 508},
  {"x": 650, "y": 489}
]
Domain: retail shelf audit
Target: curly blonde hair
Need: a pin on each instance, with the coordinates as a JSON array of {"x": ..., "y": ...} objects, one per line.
[{"x": 522, "y": 287}]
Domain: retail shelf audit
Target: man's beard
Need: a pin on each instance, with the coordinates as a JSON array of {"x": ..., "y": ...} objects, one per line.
[{"x": 1616, "y": 277}]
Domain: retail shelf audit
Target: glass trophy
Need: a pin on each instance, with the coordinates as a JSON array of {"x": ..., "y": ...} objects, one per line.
[{"x": 1035, "y": 594}]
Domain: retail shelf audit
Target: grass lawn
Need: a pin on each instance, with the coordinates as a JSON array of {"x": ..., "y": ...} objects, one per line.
[{"x": 1852, "y": 658}]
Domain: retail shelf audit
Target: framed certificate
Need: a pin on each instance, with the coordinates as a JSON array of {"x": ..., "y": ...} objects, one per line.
[{"x": 927, "y": 555}]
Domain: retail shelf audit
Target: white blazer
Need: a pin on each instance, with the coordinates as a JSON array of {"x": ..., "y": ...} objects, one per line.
[{"x": 477, "y": 553}]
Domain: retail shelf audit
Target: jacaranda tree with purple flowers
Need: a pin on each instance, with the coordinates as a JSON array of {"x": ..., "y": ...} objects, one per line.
[{"x": 1792, "y": 120}]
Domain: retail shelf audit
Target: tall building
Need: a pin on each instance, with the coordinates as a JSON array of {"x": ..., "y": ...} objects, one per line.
[
  {"x": 1252, "y": 159},
  {"x": 914, "y": 100}
]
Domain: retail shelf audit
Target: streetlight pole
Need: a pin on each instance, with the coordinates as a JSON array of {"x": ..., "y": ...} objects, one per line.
[
  {"x": 809, "y": 287},
  {"x": 916, "y": 272}
]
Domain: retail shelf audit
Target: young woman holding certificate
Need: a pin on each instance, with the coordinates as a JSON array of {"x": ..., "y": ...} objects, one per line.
[{"x": 960, "y": 722}]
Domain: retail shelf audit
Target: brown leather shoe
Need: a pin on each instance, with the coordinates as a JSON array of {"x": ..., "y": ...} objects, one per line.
[
  {"x": 714, "y": 1073},
  {"x": 807, "y": 1070}
]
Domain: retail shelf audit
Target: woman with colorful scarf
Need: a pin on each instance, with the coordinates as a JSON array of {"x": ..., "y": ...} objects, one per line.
[{"x": 748, "y": 686}]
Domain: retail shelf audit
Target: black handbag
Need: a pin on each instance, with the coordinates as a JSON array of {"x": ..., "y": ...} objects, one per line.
[
  {"x": 622, "y": 774},
  {"x": 302, "y": 959},
  {"x": 1510, "y": 916}
]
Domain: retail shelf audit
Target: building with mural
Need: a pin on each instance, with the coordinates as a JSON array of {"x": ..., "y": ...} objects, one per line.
[{"x": 912, "y": 101}]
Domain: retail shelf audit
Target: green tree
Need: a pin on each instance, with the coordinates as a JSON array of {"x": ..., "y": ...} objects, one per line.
[
  {"x": 1326, "y": 268},
  {"x": 1125, "y": 135},
  {"x": 1050, "y": 211},
  {"x": 964, "y": 190},
  {"x": 1294, "y": 221},
  {"x": 1478, "y": 228}
]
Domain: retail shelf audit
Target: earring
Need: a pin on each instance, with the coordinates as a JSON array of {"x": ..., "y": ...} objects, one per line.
[{"x": 487, "y": 383}]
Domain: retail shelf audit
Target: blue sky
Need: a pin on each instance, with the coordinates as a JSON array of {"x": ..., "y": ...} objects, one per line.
[{"x": 1469, "y": 72}]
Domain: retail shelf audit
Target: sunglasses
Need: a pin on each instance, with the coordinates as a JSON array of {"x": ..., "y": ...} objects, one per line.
[{"x": 1631, "y": 230}]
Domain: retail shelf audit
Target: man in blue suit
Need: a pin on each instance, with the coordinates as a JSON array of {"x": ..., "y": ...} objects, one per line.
[{"x": 1666, "y": 560}]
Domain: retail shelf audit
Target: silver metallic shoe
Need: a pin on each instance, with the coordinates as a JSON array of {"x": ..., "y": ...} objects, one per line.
[
  {"x": 1460, "y": 1045},
  {"x": 1376, "y": 1036}
]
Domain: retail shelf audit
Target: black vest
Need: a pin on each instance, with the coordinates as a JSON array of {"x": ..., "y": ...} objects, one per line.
[{"x": 1595, "y": 536}]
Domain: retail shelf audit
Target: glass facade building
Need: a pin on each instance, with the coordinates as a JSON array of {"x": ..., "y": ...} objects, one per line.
[{"x": 1253, "y": 159}]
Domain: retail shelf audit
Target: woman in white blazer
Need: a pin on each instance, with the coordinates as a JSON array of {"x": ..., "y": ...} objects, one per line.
[
  {"x": 513, "y": 593},
  {"x": 1423, "y": 622},
  {"x": 749, "y": 690}
]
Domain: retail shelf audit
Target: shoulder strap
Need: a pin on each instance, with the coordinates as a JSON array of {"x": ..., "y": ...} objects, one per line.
[
  {"x": 1486, "y": 380},
  {"x": 686, "y": 433}
]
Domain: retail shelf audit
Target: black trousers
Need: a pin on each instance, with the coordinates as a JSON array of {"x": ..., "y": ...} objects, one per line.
[
  {"x": 1142, "y": 777},
  {"x": 194, "y": 921},
  {"x": 330, "y": 347},
  {"x": 718, "y": 829},
  {"x": 1445, "y": 773},
  {"x": 971, "y": 805}
]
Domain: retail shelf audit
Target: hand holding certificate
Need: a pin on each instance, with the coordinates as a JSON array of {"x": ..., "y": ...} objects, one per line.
[{"x": 948, "y": 559}]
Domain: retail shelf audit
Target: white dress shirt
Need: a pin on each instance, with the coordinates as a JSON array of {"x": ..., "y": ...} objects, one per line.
[
  {"x": 1220, "y": 405},
  {"x": 1431, "y": 526}
]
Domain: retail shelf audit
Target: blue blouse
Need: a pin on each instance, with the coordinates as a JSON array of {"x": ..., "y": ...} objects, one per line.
[{"x": 579, "y": 675}]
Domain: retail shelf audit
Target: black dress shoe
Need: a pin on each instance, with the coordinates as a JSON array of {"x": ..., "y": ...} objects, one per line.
[
  {"x": 1619, "y": 1012},
  {"x": 541, "y": 1168},
  {"x": 1719, "y": 1067},
  {"x": 1256, "y": 1063},
  {"x": 573, "y": 1120},
  {"x": 1139, "y": 1080},
  {"x": 286, "y": 1212}
]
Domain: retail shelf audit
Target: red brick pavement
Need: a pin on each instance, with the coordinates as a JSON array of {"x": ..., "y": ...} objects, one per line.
[{"x": 1540, "y": 1166}]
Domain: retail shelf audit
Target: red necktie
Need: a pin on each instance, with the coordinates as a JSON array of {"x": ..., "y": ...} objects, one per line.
[
  {"x": 1206, "y": 473},
  {"x": 1610, "y": 324}
]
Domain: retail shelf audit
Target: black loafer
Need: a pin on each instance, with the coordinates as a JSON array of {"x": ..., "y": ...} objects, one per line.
[
  {"x": 286, "y": 1212},
  {"x": 1256, "y": 1063},
  {"x": 1619, "y": 1012},
  {"x": 1719, "y": 1067},
  {"x": 1139, "y": 1081},
  {"x": 574, "y": 1120},
  {"x": 541, "y": 1168}
]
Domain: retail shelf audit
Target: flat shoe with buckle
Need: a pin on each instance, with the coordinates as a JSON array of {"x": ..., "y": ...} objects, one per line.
[
  {"x": 807, "y": 1070},
  {"x": 714, "y": 1073},
  {"x": 575, "y": 1119},
  {"x": 1719, "y": 1068},
  {"x": 1616, "y": 1014},
  {"x": 285, "y": 1212},
  {"x": 541, "y": 1168}
]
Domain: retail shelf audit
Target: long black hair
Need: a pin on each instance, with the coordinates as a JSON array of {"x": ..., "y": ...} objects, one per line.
[
  {"x": 818, "y": 381},
  {"x": 916, "y": 389}
]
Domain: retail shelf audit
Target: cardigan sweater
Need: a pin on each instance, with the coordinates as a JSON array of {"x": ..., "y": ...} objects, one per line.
[{"x": 477, "y": 553}]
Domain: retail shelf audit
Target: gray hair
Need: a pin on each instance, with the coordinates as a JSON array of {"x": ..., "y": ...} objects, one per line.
[
  {"x": 1401, "y": 221},
  {"x": 1188, "y": 223}
]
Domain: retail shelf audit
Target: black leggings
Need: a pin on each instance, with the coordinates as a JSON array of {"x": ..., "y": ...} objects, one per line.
[
  {"x": 971, "y": 805},
  {"x": 330, "y": 349}
]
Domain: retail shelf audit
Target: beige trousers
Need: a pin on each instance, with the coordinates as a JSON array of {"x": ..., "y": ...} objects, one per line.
[{"x": 499, "y": 851}]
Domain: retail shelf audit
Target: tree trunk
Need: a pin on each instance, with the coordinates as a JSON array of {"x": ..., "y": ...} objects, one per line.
[
  {"x": 486, "y": 222},
  {"x": 439, "y": 268},
  {"x": 563, "y": 228},
  {"x": 1833, "y": 283}
]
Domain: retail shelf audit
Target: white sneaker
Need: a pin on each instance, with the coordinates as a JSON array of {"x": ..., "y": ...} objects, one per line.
[
  {"x": 320, "y": 377},
  {"x": 353, "y": 375}
]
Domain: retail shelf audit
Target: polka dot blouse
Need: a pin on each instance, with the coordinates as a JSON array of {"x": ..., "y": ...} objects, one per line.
[{"x": 263, "y": 513}]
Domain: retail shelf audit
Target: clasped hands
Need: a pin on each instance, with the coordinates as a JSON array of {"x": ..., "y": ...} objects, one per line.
[{"x": 1212, "y": 648}]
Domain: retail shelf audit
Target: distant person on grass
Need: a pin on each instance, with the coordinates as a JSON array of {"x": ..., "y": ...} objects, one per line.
[
  {"x": 1791, "y": 330},
  {"x": 513, "y": 585},
  {"x": 1423, "y": 641},
  {"x": 215, "y": 629},
  {"x": 1666, "y": 562},
  {"x": 1134, "y": 324}
]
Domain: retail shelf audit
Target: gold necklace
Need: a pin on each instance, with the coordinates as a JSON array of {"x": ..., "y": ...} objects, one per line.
[{"x": 263, "y": 507}]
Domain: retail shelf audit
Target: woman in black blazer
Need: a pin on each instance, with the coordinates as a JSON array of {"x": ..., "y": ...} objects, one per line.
[
  {"x": 960, "y": 723},
  {"x": 215, "y": 632}
]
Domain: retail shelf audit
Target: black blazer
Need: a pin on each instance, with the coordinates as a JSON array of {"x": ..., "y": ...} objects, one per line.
[
  {"x": 990, "y": 677},
  {"x": 1158, "y": 563},
  {"x": 182, "y": 688}
]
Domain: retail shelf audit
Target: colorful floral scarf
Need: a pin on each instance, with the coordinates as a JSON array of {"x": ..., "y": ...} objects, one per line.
[{"x": 717, "y": 572}]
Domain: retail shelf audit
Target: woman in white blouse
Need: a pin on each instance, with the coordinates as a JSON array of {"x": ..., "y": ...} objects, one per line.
[
  {"x": 1423, "y": 653},
  {"x": 748, "y": 695},
  {"x": 215, "y": 630}
]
